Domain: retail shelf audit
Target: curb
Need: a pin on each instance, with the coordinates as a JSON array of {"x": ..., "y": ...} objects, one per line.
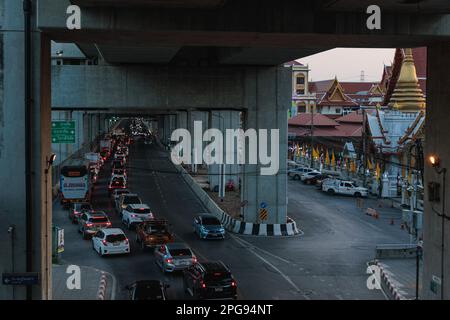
[
  {"x": 393, "y": 291},
  {"x": 101, "y": 294},
  {"x": 238, "y": 226},
  {"x": 259, "y": 229}
]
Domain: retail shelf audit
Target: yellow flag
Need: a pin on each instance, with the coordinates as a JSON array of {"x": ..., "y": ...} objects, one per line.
[
  {"x": 333, "y": 159},
  {"x": 369, "y": 164},
  {"x": 327, "y": 158},
  {"x": 378, "y": 171},
  {"x": 298, "y": 150}
]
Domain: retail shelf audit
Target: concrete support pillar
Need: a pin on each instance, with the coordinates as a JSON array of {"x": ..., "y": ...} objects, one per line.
[
  {"x": 192, "y": 117},
  {"x": 268, "y": 93},
  {"x": 12, "y": 151},
  {"x": 223, "y": 120},
  {"x": 436, "y": 231}
]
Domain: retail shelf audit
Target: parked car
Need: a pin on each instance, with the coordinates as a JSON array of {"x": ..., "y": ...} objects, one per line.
[
  {"x": 298, "y": 172},
  {"x": 136, "y": 213},
  {"x": 76, "y": 209},
  {"x": 210, "y": 280},
  {"x": 153, "y": 233},
  {"x": 315, "y": 179},
  {"x": 91, "y": 222},
  {"x": 308, "y": 175},
  {"x": 174, "y": 256},
  {"x": 147, "y": 290},
  {"x": 337, "y": 186},
  {"x": 110, "y": 241},
  {"x": 126, "y": 199},
  {"x": 207, "y": 226}
]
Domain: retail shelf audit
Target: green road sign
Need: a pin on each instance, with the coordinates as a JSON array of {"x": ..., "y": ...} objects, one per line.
[{"x": 63, "y": 131}]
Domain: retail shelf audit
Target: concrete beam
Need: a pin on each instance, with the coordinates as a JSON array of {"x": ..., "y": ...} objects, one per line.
[{"x": 126, "y": 87}]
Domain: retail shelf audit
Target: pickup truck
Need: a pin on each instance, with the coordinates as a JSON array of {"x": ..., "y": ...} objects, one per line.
[
  {"x": 336, "y": 186},
  {"x": 153, "y": 233}
]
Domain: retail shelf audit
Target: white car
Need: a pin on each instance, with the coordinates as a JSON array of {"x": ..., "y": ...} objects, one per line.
[
  {"x": 110, "y": 241},
  {"x": 136, "y": 213},
  {"x": 309, "y": 175}
]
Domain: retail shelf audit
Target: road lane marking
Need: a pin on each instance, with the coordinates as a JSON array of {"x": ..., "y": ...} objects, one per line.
[{"x": 243, "y": 242}]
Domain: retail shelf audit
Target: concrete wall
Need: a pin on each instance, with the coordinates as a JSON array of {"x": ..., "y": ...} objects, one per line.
[{"x": 437, "y": 124}]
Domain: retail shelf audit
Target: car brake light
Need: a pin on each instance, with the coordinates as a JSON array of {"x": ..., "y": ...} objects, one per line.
[
  {"x": 104, "y": 242},
  {"x": 233, "y": 283},
  {"x": 169, "y": 260},
  {"x": 108, "y": 223},
  {"x": 89, "y": 224},
  {"x": 194, "y": 259},
  {"x": 134, "y": 215},
  {"x": 203, "y": 285},
  {"x": 126, "y": 241}
]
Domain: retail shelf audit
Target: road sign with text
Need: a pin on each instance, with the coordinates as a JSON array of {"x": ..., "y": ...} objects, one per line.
[{"x": 63, "y": 132}]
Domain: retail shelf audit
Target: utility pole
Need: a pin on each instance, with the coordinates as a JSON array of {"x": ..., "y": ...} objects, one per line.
[{"x": 364, "y": 147}]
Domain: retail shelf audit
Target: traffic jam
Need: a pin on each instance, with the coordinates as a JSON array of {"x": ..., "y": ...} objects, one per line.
[{"x": 152, "y": 233}]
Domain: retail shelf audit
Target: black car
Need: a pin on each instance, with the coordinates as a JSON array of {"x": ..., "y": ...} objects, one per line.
[
  {"x": 316, "y": 179},
  {"x": 118, "y": 164},
  {"x": 210, "y": 280},
  {"x": 147, "y": 290}
]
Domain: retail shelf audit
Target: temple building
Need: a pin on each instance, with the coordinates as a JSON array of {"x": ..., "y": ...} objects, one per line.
[
  {"x": 302, "y": 99},
  {"x": 395, "y": 134}
]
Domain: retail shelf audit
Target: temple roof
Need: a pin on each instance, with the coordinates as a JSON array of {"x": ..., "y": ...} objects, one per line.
[
  {"x": 335, "y": 95},
  {"x": 407, "y": 95},
  {"x": 319, "y": 120}
]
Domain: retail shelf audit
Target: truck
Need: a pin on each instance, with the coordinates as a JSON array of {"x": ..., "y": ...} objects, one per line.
[
  {"x": 337, "y": 186},
  {"x": 153, "y": 233},
  {"x": 75, "y": 183},
  {"x": 105, "y": 148}
]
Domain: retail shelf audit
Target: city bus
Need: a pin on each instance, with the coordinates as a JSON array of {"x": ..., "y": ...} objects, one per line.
[{"x": 75, "y": 182}]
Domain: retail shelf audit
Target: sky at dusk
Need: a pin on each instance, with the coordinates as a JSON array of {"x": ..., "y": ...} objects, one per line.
[{"x": 347, "y": 64}]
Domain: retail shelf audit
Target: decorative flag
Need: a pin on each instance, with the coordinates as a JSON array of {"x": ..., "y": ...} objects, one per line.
[
  {"x": 298, "y": 150},
  {"x": 333, "y": 159},
  {"x": 369, "y": 165},
  {"x": 378, "y": 171},
  {"x": 327, "y": 158}
]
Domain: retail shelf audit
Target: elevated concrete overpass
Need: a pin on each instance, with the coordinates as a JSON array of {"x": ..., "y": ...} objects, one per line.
[{"x": 217, "y": 55}]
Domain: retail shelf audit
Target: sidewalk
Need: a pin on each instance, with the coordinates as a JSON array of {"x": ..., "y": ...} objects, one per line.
[{"x": 95, "y": 284}]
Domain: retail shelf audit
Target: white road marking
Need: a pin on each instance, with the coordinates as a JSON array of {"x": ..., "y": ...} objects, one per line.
[
  {"x": 286, "y": 277},
  {"x": 250, "y": 245}
]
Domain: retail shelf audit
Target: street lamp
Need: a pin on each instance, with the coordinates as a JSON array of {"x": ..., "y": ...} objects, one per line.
[{"x": 436, "y": 164}]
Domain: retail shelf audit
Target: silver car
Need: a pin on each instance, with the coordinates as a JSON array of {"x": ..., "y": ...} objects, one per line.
[{"x": 174, "y": 256}]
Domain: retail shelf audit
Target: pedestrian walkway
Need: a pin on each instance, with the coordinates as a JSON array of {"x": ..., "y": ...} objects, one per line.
[{"x": 95, "y": 284}]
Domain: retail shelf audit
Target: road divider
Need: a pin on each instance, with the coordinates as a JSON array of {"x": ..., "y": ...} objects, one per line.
[{"x": 233, "y": 225}]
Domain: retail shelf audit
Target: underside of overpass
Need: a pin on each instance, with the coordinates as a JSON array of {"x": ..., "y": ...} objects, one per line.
[{"x": 168, "y": 58}]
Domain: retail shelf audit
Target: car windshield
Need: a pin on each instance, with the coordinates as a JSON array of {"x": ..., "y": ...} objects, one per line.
[
  {"x": 133, "y": 199},
  {"x": 142, "y": 210},
  {"x": 85, "y": 207},
  {"x": 180, "y": 252},
  {"x": 217, "y": 276},
  {"x": 149, "y": 292},
  {"x": 98, "y": 219},
  {"x": 118, "y": 180},
  {"x": 156, "y": 228},
  {"x": 118, "y": 192},
  {"x": 211, "y": 221},
  {"x": 115, "y": 237}
]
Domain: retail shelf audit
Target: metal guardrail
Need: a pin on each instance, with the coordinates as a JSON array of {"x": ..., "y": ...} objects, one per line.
[{"x": 395, "y": 251}]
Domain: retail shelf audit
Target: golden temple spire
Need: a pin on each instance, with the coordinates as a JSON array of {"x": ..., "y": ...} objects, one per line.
[{"x": 407, "y": 95}]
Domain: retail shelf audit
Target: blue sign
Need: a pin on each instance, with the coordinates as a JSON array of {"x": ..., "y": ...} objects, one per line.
[
  {"x": 263, "y": 205},
  {"x": 24, "y": 279}
]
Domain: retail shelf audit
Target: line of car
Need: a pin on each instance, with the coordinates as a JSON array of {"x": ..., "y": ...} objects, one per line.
[
  {"x": 200, "y": 279},
  {"x": 327, "y": 182}
]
